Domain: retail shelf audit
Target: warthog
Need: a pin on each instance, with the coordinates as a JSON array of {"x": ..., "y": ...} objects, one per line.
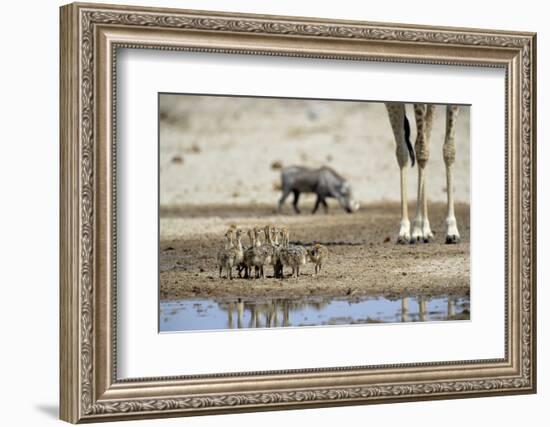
[{"x": 325, "y": 182}]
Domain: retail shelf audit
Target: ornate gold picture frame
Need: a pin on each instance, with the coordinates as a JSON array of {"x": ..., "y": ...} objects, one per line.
[{"x": 90, "y": 37}]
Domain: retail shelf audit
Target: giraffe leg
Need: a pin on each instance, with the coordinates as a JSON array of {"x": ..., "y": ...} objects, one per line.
[
  {"x": 421, "y": 231},
  {"x": 396, "y": 113},
  {"x": 449, "y": 152}
]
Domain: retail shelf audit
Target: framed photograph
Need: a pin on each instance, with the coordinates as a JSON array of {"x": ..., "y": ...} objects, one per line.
[{"x": 267, "y": 212}]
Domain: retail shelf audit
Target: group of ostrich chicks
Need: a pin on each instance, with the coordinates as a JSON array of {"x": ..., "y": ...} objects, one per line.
[{"x": 276, "y": 250}]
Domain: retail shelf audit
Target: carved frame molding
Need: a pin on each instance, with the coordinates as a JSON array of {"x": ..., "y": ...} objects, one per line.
[{"x": 90, "y": 37}]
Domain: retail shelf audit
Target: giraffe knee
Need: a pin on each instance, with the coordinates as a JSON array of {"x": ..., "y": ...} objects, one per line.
[
  {"x": 422, "y": 150},
  {"x": 449, "y": 153},
  {"x": 422, "y": 155},
  {"x": 449, "y": 150},
  {"x": 402, "y": 155},
  {"x": 424, "y": 117}
]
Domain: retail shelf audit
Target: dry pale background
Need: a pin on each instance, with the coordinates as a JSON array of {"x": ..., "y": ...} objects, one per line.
[
  {"x": 219, "y": 150},
  {"x": 29, "y": 174}
]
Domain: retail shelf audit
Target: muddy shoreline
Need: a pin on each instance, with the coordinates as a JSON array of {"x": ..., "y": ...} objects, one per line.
[
  {"x": 364, "y": 259},
  {"x": 275, "y": 288}
]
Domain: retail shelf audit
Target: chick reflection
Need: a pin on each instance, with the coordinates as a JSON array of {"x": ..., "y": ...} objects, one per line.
[
  {"x": 315, "y": 311},
  {"x": 267, "y": 314},
  {"x": 405, "y": 310}
]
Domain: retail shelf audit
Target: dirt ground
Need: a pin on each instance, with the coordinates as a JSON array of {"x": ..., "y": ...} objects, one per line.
[
  {"x": 219, "y": 164},
  {"x": 364, "y": 258}
]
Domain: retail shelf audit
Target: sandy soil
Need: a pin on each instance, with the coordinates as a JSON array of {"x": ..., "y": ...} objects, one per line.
[{"x": 364, "y": 259}]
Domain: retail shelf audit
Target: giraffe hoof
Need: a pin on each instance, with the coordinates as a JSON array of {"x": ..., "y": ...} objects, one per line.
[
  {"x": 402, "y": 240},
  {"x": 420, "y": 239},
  {"x": 417, "y": 239},
  {"x": 452, "y": 239}
]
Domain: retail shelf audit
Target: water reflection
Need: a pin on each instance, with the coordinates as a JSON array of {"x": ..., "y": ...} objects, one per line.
[
  {"x": 186, "y": 315},
  {"x": 405, "y": 310}
]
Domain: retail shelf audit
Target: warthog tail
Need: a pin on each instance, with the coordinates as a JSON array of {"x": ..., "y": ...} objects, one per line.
[{"x": 408, "y": 140}]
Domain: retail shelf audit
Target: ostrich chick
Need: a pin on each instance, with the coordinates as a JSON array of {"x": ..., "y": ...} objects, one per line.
[
  {"x": 231, "y": 254},
  {"x": 256, "y": 256},
  {"x": 318, "y": 254},
  {"x": 292, "y": 256},
  {"x": 276, "y": 260},
  {"x": 269, "y": 247}
]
